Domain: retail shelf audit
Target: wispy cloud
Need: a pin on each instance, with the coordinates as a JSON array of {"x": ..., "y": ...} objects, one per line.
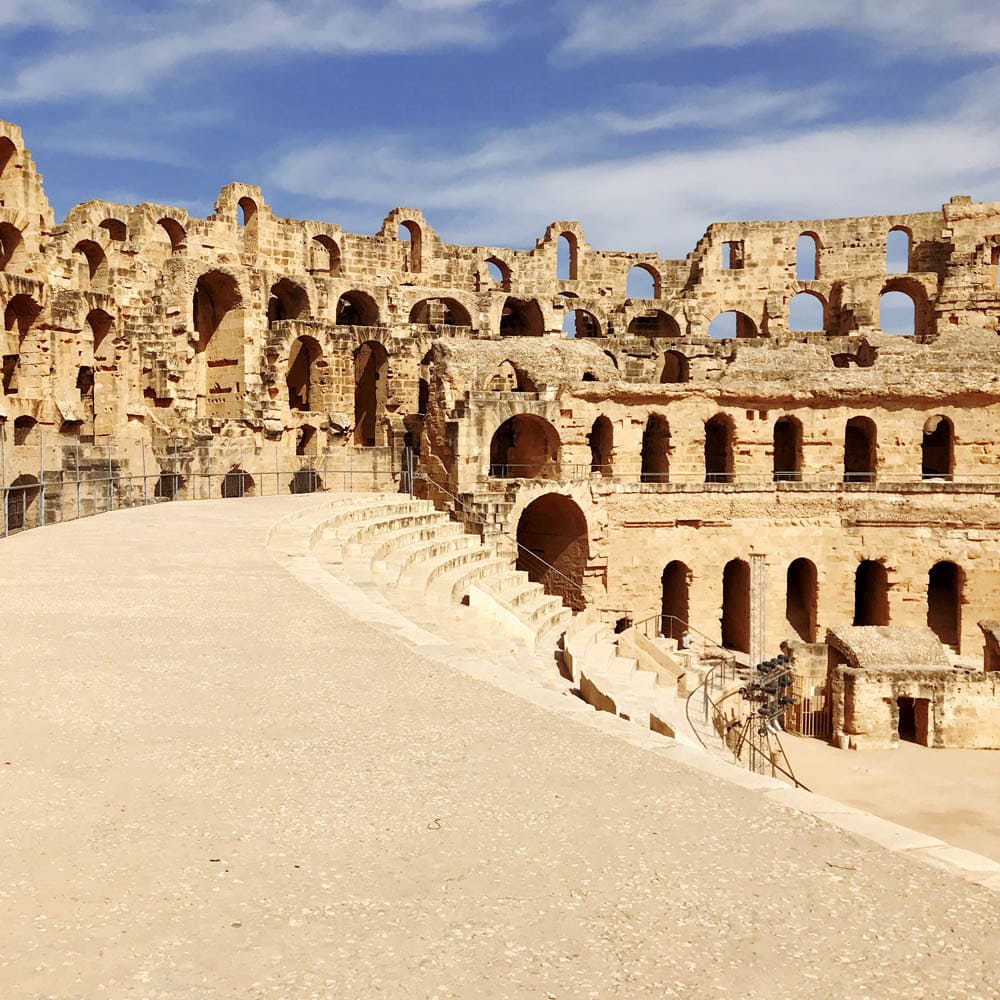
[
  {"x": 602, "y": 27},
  {"x": 62, "y": 14}
]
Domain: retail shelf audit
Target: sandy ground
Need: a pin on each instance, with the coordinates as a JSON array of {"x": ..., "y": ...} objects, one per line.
[{"x": 951, "y": 794}]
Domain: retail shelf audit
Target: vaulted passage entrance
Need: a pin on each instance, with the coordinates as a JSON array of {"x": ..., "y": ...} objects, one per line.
[
  {"x": 944, "y": 603},
  {"x": 371, "y": 386},
  {"x": 787, "y": 450},
  {"x": 736, "y": 606},
  {"x": 801, "y": 598},
  {"x": 936, "y": 452},
  {"x": 655, "y": 450},
  {"x": 860, "y": 443},
  {"x": 675, "y": 601},
  {"x": 871, "y": 594},
  {"x": 553, "y": 547},
  {"x": 525, "y": 447},
  {"x": 601, "y": 439}
]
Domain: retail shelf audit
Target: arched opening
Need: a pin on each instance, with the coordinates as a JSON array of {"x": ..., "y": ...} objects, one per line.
[
  {"x": 675, "y": 599},
  {"x": 580, "y": 323},
  {"x": 286, "y": 300},
  {"x": 602, "y": 443},
  {"x": 807, "y": 257},
  {"x": 806, "y": 313},
  {"x": 302, "y": 357},
  {"x": 306, "y": 442},
  {"x": 246, "y": 211},
  {"x": 871, "y": 594},
  {"x": 521, "y": 319},
  {"x": 937, "y": 450},
  {"x": 324, "y": 255},
  {"x": 499, "y": 273},
  {"x": 736, "y": 605},
  {"x": 801, "y": 599},
  {"x": 10, "y": 244},
  {"x": 898, "y": 244},
  {"x": 860, "y": 450},
  {"x": 237, "y": 483},
  {"x": 356, "y": 309},
  {"x": 169, "y": 486},
  {"x": 897, "y": 313},
  {"x": 732, "y": 324},
  {"x": 371, "y": 391},
  {"x": 510, "y": 378},
  {"x": 719, "y": 450},
  {"x": 411, "y": 233},
  {"x": 787, "y": 450},
  {"x": 566, "y": 257},
  {"x": 23, "y": 426},
  {"x": 525, "y": 447},
  {"x": 21, "y": 497},
  {"x": 553, "y": 547},
  {"x": 440, "y": 312},
  {"x": 100, "y": 324},
  {"x": 944, "y": 603},
  {"x": 175, "y": 233},
  {"x": 656, "y": 450},
  {"x": 30, "y": 360},
  {"x": 116, "y": 230},
  {"x": 642, "y": 282},
  {"x": 7, "y": 153},
  {"x": 676, "y": 368},
  {"x": 654, "y": 323},
  {"x": 305, "y": 481},
  {"x": 219, "y": 328},
  {"x": 93, "y": 264}
]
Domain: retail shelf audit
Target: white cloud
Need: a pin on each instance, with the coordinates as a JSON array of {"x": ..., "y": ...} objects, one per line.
[
  {"x": 602, "y": 27},
  {"x": 53, "y": 13}
]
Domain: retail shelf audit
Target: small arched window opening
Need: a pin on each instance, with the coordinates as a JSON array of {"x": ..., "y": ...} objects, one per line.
[
  {"x": 409, "y": 232},
  {"x": 860, "y": 450},
  {"x": 944, "y": 603},
  {"x": 371, "y": 392},
  {"x": 602, "y": 443},
  {"x": 675, "y": 600},
  {"x": 566, "y": 257},
  {"x": 286, "y": 300},
  {"x": 499, "y": 273},
  {"x": 214, "y": 295},
  {"x": 302, "y": 361},
  {"x": 787, "y": 450},
  {"x": 642, "y": 282},
  {"x": 801, "y": 599},
  {"x": 23, "y": 427},
  {"x": 676, "y": 368},
  {"x": 94, "y": 262},
  {"x": 807, "y": 257},
  {"x": 356, "y": 309},
  {"x": 175, "y": 233},
  {"x": 8, "y": 151},
  {"x": 580, "y": 323},
  {"x": 20, "y": 315},
  {"x": 116, "y": 230},
  {"x": 897, "y": 313},
  {"x": 237, "y": 483},
  {"x": 305, "y": 444},
  {"x": 937, "y": 450},
  {"x": 655, "y": 323},
  {"x": 10, "y": 245},
  {"x": 733, "y": 255},
  {"x": 806, "y": 313},
  {"x": 521, "y": 319},
  {"x": 525, "y": 447},
  {"x": 100, "y": 324},
  {"x": 440, "y": 312},
  {"x": 736, "y": 606},
  {"x": 871, "y": 594},
  {"x": 246, "y": 211},
  {"x": 324, "y": 255},
  {"x": 732, "y": 324},
  {"x": 719, "y": 450},
  {"x": 898, "y": 246},
  {"x": 656, "y": 450},
  {"x": 554, "y": 547}
]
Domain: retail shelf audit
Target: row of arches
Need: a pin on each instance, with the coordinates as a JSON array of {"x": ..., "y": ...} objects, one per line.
[
  {"x": 944, "y": 598},
  {"x": 898, "y": 253}
]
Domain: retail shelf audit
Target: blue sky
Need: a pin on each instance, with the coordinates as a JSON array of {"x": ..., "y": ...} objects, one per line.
[{"x": 644, "y": 119}]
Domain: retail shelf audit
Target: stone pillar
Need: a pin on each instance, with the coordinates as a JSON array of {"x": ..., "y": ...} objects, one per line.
[{"x": 758, "y": 580}]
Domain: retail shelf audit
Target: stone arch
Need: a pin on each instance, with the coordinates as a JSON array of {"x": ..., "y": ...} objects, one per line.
[
  {"x": 802, "y": 598},
  {"x": 286, "y": 300},
  {"x": 602, "y": 446},
  {"x": 807, "y": 248},
  {"x": 237, "y": 483},
  {"x": 860, "y": 450},
  {"x": 654, "y": 323},
  {"x": 413, "y": 260},
  {"x": 655, "y": 450},
  {"x": 94, "y": 264},
  {"x": 21, "y": 496},
  {"x": 937, "y": 449},
  {"x": 807, "y": 312},
  {"x": 520, "y": 318},
  {"x": 675, "y": 599},
  {"x": 176, "y": 234},
  {"x": 554, "y": 546},
  {"x": 898, "y": 317},
  {"x": 578, "y": 323},
  {"x": 324, "y": 255},
  {"x": 499, "y": 272},
  {"x": 302, "y": 359},
  {"x": 306, "y": 442},
  {"x": 100, "y": 323},
  {"x": 23, "y": 355},
  {"x": 720, "y": 442},
  {"x": 509, "y": 377},
  {"x": 787, "y": 464},
  {"x": 24, "y": 425},
  {"x": 116, "y": 229},
  {"x": 356, "y": 308},
  {"x": 676, "y": 368},
  {"x": 440, "y": 312},
  {"x": 11, "y": 245},
  {"x": 525, "y": 446},
  {"x": 945, "y": 587},
  {"x": 218, "y": 327},
  {"x": 371, "y": 393},
  {"x": 732, "y": 323},
  {"x": 735, "y": 621},
  {"x": 8, "y": 154},
  {"x": 567, "y": 256},
  {"x": 246, "y": 211},
  {"x": 898, "y": 250},
  {"x": 643, "y": 281},
  {"x": 871, "y": 593}
]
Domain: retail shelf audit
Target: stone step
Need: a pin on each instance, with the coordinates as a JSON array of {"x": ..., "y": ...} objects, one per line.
[
  {"x": 487, "y": 576},
  {"x": 414, "y": 557},
  {"x": 391, "y": 548},
  {"x": 393, "y": 523},
  {"x": 342, "y": 524},
  {"x": 424, "y": 575}
]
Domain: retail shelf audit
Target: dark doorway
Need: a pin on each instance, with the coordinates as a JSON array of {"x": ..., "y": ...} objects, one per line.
[
  {"x": 371, "y": 386},
  {"x": 525, "y": 446},
  {"x": 936, "y": 452},
  {"x": 601, "y": 438},
  {"x": 787, "y": 450},
  {"x": 914, "y": 720},
  {"x": 675, "y": 368},
  {"x": 719, "y": 450},
  {"x": 736, "y": 606},
  {"x": 674, "y": 604},
  {"x": 944, "y": 603},
  {"x": 801, "y": 599},
  {"x": 553, "y": 547},
  {"x": 655, "y": 450},
  {"x": 859, "y": 450},
  {"x": 871, "y": 594}
]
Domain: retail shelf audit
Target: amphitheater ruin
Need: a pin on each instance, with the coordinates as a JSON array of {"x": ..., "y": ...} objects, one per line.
[{"x": 737, "y": 446}]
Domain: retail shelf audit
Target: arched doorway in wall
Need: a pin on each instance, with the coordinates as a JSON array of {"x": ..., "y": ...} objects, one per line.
[
  {"x": 302, "y": 358},
  {"x": 860, "y": 450},
  {"x": 944, "y": 603},
  {"x": 656, "y": 450},
  {"x": 22, "y": 495},
  {"x": 219, "y": 328},
  {"x": 371, "y": 391},
  {"x": 553, "y": 547},
  {"x": 654, "y": 323},
  {"x": 787, "y": 450},
  {"x": 801, "y": 598},
  {"x": 736, "y": 605},
  {"x": 871, "y": 594},
  {"x": 937, "y": 454},
  {"x": 719, "y": 449},
  {"x": 521, "y": 319},
  {"x": 525, "y": 446},
  {"x": 286, "y": 300},
  {"x": 356, "y": 308},
  {"x": 675, "y": 598},
  {"x": 602, "y": 443},
  {"x": 237, "y": 483},
  {"x": 676, "y": 368},
  {"x": 732, "y": 324}
]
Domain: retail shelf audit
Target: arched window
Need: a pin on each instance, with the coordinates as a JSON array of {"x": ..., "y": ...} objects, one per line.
[
  {"x": 937, "y": 451},
  {"x": 356, "y": 309},
  {"x": 898, "y": 245},
  {"x": 602, "y": 442},
  {"x": 643, "y": 282},
  {"x": 675, "y": 598},
  {"x": 23, "y": 426},
  {"x": 675, "y": 368},
  {"x": 736, "y": 606},
  {"x": 656, "y": 450},
  {"x": 302, "y": 359},
  {"x": 286, "y": 300},
  {"x": 719, "y": 450},
  {"x": 654, "y": 323},
  {"x": 897, "y": 313},
  {"x": 731, "y": 324},
  {"x": 787, "y": 450},
  {"x": 94, "y": 264},
  {"x": 305, "y": 445},
  {"x": 21, "y": 497},
  {"x": 860, "y": 450},
  {"x": 371, "y": 392},
  {"x": 246, "y": 211},
  {"x": 440, "y": 312},
  {"x": 100, "y": 324},
  {"x": 801, "y": 598},
  {"x": 580, "y": 323},
  {"x": 175, "y": 233},
  {"x": 8, "y": 151},
  {"x": 871, "y": 594},
  {"x": 525, "y": 447},
  {"x": 324, "y": 255},
  {"x": 521, "y": 319},
  {"x": 10, "y": 244},
  {"x": 237, "y": 483},
  {"x": 410, "y": 232},
  {"x": 566, "y": 257},
  {"x": 806, "y": 313},
  {"x": 116, "y": 229},
  {"x": 944, "y": 603},
  {"x": 554, "y": 547},
  {"x": 807, "y": 257},
  {"x": 219, "y": 328},
  {"x": 499, "y": 273}
]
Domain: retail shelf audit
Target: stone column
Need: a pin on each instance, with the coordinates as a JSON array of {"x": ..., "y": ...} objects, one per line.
[{"x": 758, "y": 576}]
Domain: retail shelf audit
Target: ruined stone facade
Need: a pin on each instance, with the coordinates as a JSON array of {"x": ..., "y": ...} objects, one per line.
[{"x": 642, "y": 457}]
